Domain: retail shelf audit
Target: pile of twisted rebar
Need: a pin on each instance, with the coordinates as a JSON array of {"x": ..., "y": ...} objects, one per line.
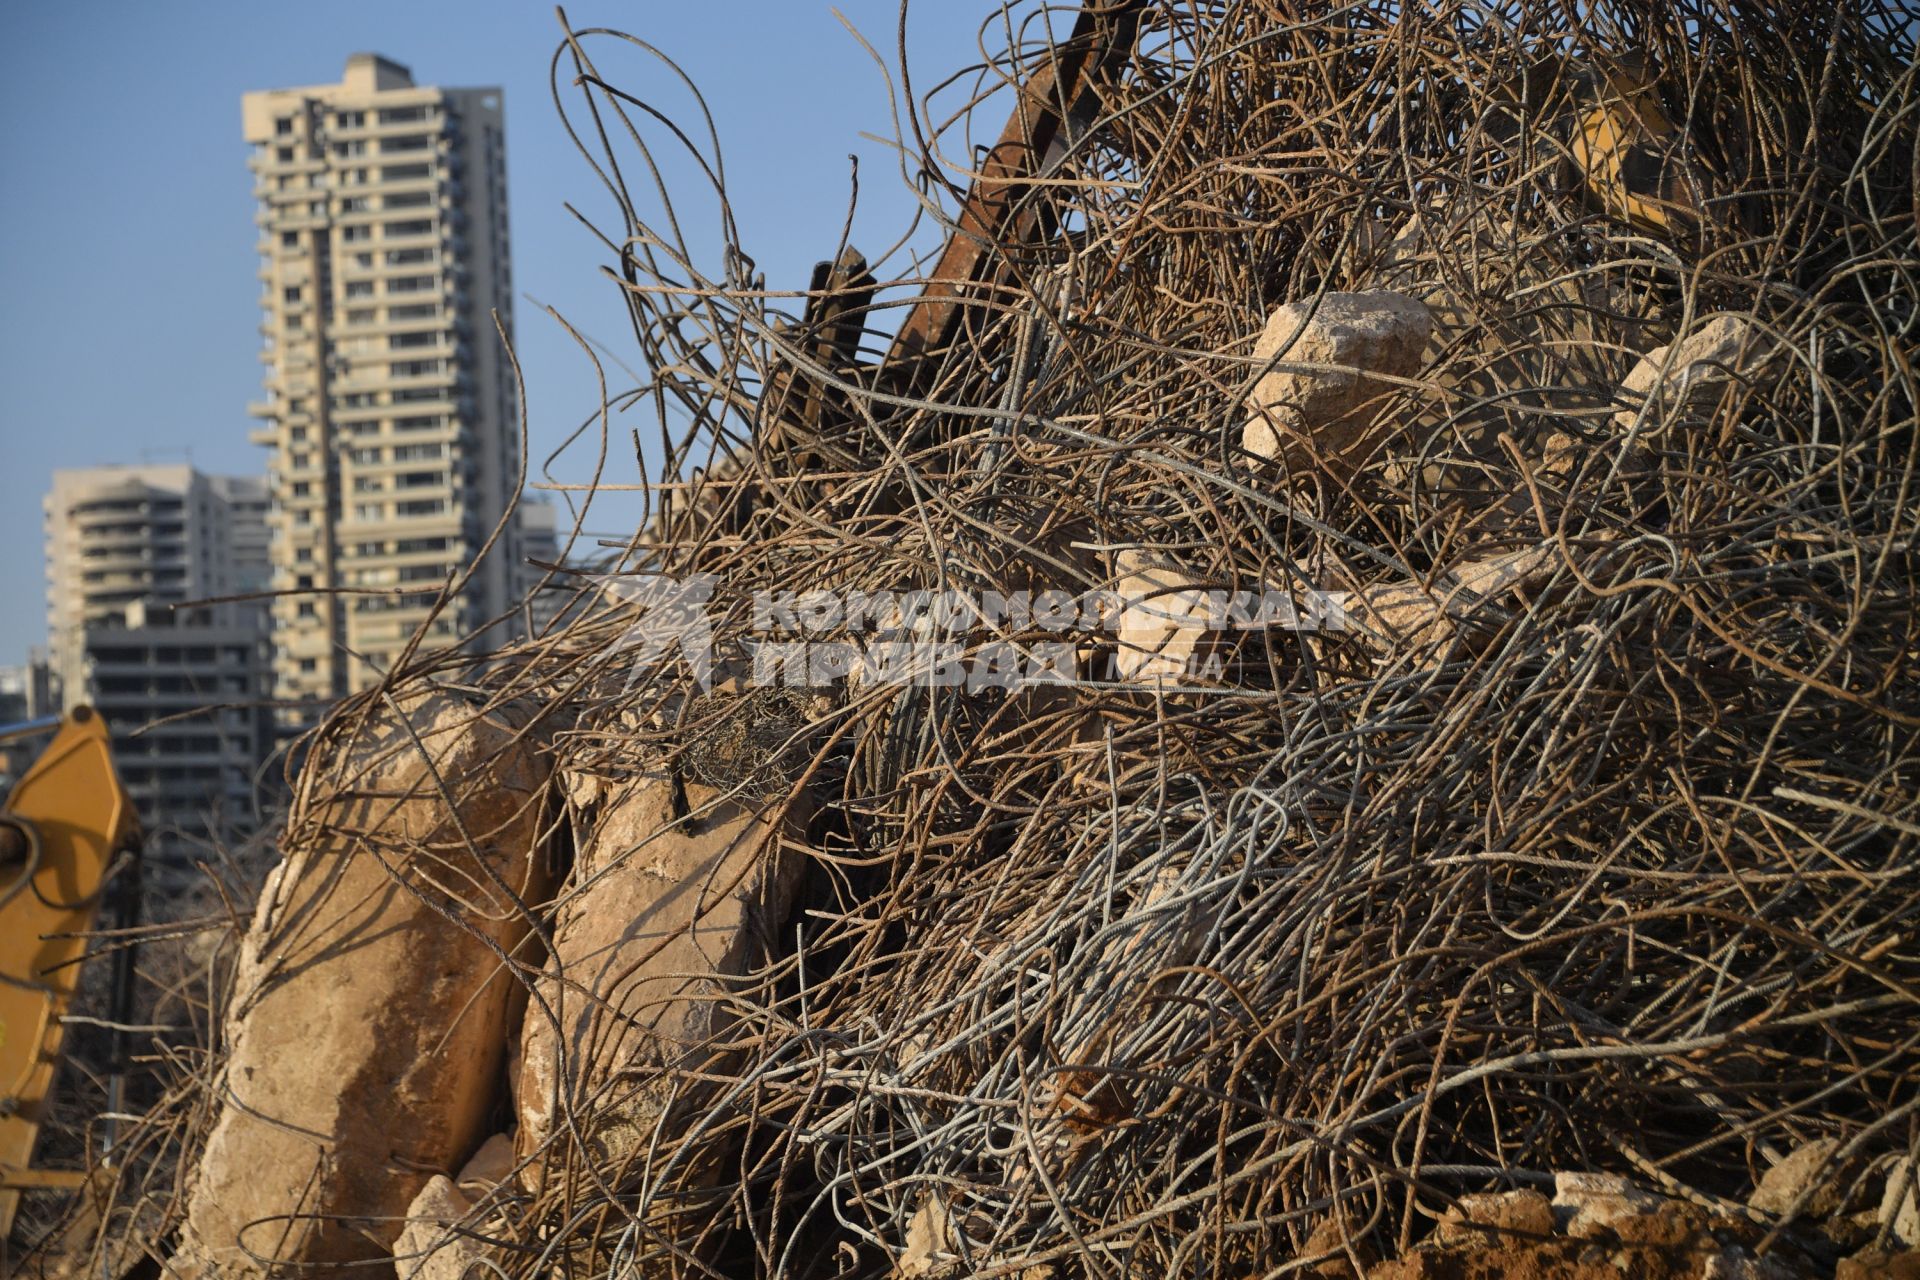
[{"x": 1613, "y": 866}]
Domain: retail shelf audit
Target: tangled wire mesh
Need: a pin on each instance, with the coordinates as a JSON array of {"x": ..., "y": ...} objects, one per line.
[{"x": 1613, "y": 867}]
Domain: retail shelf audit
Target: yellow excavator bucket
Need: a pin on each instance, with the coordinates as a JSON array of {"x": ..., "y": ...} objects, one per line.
[
  {"x": 66, "y": 820},
  {"x": 1632, "y": 158},
  {"x": 1618, "y": 147}
]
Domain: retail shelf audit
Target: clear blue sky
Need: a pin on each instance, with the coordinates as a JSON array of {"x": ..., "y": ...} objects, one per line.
[{"x": 128, "y": 313}]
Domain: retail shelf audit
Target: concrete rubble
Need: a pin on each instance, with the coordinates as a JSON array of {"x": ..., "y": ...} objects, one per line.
[
  {"x": 379, "y": 944},
  {"x": 1603, "y": 1226},
  {"x": 1810, "y": 1180},
  {"x": 430, "y": 1246},
  {"x": 661, "y": 910},
  {"x": 1685, "y": 376},
  {"x": 673, "y": 884},
  {"x": 368, "y": 1026},
  {"x": 1332, "y": 359},
  {"x": 402, "y": 1016},
  {"x": 1899, "y": 1213},
  {"x": 1420, "y": 619},
  {"x": 931, "y": 1249},
  {"x": 1165, "y": 620},
  {"x": 1486, "y": 1215},
  {"x": 1671, "y": 384},
  {"x": 441, "y": 1238}
]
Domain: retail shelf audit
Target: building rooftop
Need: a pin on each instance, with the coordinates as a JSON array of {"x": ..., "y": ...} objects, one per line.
[{"x": 372, "y": 72}]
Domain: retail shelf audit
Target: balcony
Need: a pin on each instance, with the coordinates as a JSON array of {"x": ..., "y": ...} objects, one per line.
[
  {"x": 437, "y": 290},
  {"x": 444, "y": 347},
  {"x": 431, "y": 120},
  {"x": 389, "y": 465},
  {"x": 107, "y": 519},
  {"x": 409, "y": 144},
  {"x": 416, "y": 524},
  {"x": 426, "y": 184},
  {"x": 124, "y": 568}
]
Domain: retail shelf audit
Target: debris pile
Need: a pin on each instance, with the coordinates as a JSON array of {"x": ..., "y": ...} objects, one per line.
[{"x": 1551, "y": 365}]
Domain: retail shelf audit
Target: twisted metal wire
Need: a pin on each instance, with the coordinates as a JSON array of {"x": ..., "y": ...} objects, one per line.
[{"x": 1115, "y": 980}]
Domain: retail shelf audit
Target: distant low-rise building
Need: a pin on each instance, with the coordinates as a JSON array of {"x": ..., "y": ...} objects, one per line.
[
  {"x": 544, "y": 595},
  {"x": 143, "y": 567},
  {"x": 186, "y": 693},
  {"x": 27, "y": 692},
  {"x": 28, "y": 689}
]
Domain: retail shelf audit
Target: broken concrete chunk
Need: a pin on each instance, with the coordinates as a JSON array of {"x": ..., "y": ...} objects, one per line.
[
  {"x": 1601, "y": 1205},
  {"x": 428, "y": 1248},
  {"x": 1503, "y": 572},
  {"x": 1900, "y": 1204},
  {"x": 1559, "y": 456},
  {"x": 489, "y": 1168},
  {"x": 367, "y": 1025},
  {"x": 1808, "y": 1171},
  {"x": 1492, "y": 1218},
  {"x": 1686, "y": 376},
  {"x": 1668, "y": 1225},
  {"x": 930, "y": 1248},
  {"x": 1397, "y": 617},
  {"x": 1164, "y": 617},
  {"x": 1876, "y": 1264},
  {"x": 1309, "y": 416},
  {"x": 661, "y": 913},
  {"x": 1572, "y": 1190}
]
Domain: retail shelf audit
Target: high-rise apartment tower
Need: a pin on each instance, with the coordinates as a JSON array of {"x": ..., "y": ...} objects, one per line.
[{"x": 390, "y": 406}]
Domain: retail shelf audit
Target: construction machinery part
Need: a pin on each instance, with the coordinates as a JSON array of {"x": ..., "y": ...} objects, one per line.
[{"x": 66, "y": 825}]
